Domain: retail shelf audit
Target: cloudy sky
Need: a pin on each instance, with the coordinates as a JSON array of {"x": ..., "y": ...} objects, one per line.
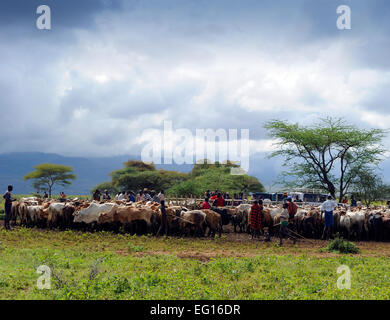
[{"x": 110, "y": 69}]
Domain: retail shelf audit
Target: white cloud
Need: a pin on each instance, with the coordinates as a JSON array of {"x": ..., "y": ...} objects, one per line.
[{"x": 376, "y": 119}]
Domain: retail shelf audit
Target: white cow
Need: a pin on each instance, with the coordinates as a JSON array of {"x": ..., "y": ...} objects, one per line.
[
  {"x": 357, "y": 221},
  {"x": 267, "y": 202},
  {"x": 345, "y": 224},
  {"x": 29, "y": 199},
  {"x": 56, "y": 212},
  {"x": 92, "y": 213},
  {"x": 34, "y": 212},
  {"x": 275, "y": 212}
]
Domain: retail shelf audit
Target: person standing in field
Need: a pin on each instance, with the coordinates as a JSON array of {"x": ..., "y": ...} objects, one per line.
[
  {"x": 220, "y": 200},
  {"x": 284, "y": 221},
  {"x": 96, "y": 195},
  {"x": 147, "y": 196},
  {"x": 164, "y": 223},
  {"x": 155, "y": 197},
  {"x": 206, "y": 204},
  {"x": 213, "y": 196},
  {"x": 255, "y": 218},
  {"x": 106, "y": 195},
  {"x": 292, "y": 209},
  {"x": 327, "y": 207},
  {"x": 353, "y": 202},
  {"x": 62, "y": 197},
  {"x": 131, "y": 197},
  {"x": 140, "y": 196},
  {"x": 7, "y": 207}
]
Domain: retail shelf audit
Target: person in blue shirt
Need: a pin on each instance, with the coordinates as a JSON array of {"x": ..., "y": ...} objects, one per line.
[
  {"x": 131, "y": 197},
  {"x": 353, "y": 202},
  {"x": 7, "y": 207}
]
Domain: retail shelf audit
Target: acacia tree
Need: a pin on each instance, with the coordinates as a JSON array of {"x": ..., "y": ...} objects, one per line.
[
  {"x": 327, "y": 155},
  {"x": 369, "y": 187},
  {"x": 46, "y": 175},
  {"x": 138, "y": 175}
]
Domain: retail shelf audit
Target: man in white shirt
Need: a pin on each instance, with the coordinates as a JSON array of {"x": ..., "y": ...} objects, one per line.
[{"x": 328, "y": 206}]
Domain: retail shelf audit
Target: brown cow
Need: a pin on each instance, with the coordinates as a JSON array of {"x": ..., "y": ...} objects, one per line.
[
  {"x": 213, "y": 222},
  {"x": 126, "y": 215},
  {"x": 193, "y": 222}
]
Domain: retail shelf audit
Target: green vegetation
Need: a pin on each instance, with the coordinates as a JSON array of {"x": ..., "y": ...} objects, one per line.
[
  {"x": 216, "y": 177},
  {"x": 342, "y": 246},
  {"x": 46, "y": 175},
  {"x": 115, "y": 266},
  {"x": 370, "y": 187},
  {"x": 137, "y": 175}
]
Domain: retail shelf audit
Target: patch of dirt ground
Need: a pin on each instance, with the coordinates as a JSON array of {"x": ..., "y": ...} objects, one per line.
[{"x": 242, "y": 245}]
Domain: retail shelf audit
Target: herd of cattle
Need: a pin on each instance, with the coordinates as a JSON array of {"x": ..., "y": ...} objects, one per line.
[{"x": 145, "y": 217}]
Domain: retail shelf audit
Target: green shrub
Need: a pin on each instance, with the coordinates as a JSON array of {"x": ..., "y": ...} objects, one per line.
[
  {"x": 342, "y": 246},
  {"x": 135, "y": 248}
]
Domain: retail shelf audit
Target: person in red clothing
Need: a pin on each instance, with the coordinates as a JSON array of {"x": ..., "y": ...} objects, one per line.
[
  {"x": 292, "y": 210},
  {"x": 256, "y": 218},
  {"x": 213, "y": 196},
  {"x": 220, "y": 200},
  {"x": 206, "y": 204}
]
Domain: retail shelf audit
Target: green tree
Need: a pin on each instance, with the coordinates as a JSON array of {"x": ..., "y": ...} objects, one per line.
[
  {"x": 46, "y": 175},
  {"x": 138, "y": 175},
  {"x": 140, "y": 165},
  {"x": 327, "y": 155},
  {"x": 186, "y": 188},
  {"x": 369, "y": 187},
  {"x": 216, "y": 176}
]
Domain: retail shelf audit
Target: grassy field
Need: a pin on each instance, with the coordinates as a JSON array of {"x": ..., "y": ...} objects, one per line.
[{"x": 119, "y": 266}]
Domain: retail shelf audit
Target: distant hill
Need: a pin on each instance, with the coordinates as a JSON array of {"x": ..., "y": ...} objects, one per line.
[{"x": 92, "y": 171}]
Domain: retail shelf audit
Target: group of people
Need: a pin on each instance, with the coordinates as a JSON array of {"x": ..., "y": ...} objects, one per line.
[
  {"x": 286, "y": 220},
  {"x": 217, "y": 198},
  {"x": 97, "y": 195},
  {"x": 287, "y": 216},
  {"x": 353, "y": 201}
]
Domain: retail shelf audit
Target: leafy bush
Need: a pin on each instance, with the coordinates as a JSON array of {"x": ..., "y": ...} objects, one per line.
[
  {"x": 135, "y": 248},
  {"x": 342, "y": 246}
]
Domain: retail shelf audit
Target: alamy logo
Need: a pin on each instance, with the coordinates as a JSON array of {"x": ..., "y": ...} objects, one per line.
[
  {"x": 344, "y": 281},
  {"x": 43, "y": 282},
  {"x": 44, "y": 20},
  {"x": 344, "y": 20},
  {"x": 180, "y": 146}
]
